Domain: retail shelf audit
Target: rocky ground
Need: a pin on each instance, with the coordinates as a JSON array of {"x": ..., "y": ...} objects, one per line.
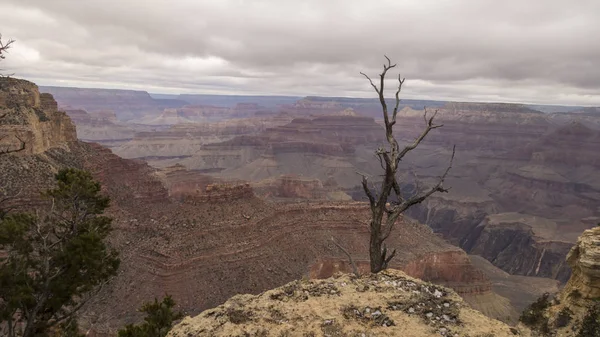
[{"x": 387, "y": 304}]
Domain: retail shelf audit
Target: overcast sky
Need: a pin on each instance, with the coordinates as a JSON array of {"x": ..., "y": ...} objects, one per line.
[{"x": 536, "y": 51}]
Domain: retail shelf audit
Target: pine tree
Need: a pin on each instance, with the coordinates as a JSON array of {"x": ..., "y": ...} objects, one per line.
[
  {"x": 159, "y": 320},
  {"x": 56, "y": 258}
]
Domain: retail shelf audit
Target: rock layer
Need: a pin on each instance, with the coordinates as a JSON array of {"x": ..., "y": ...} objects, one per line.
[{"x": 584, "y": 259}]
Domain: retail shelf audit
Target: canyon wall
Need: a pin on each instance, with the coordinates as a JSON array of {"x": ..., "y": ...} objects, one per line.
[
  {"x": 127, "y": 104},
  {"x": 30, "y": 123}
]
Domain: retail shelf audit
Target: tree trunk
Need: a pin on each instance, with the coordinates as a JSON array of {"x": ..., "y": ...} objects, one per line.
[{"x": 375, "y": 247}]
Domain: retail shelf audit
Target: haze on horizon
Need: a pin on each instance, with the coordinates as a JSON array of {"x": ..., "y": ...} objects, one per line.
[{"x": 536, "y": 51}]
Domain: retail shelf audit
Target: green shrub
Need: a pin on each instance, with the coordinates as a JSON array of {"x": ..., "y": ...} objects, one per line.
[
  {"x": 533, "y": 315},
  {"x": 158, "y": 321},
  {"x": 590, "y": 327},
  {"x": 564, "y": 318},
  {"x": 56, "y": 257}
]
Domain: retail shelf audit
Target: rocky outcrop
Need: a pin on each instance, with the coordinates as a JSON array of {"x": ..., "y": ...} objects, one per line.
[
  {"x": 565, "y": 315},
  {"x": 30, "y": 123},
  {"x": 390, "y": 303},
  {"x": 584, "y": 259},
  {"x": 451, "y": 269}
]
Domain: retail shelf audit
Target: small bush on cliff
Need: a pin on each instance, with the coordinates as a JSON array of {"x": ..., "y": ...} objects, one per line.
[
  {"x": 55, "y": 258},
  {"x": 590, "y": 327},
  {"x": 575, "y": 294},
  {"x": 159, "y": 320},
  {"x": 564, "y": 318},
  {"x": 533, "y": 315}
]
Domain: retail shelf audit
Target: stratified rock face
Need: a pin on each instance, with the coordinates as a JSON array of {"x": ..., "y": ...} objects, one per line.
[
  {"x": 29, "y": 122},
  {"x": 511, "y": 162},
  {"x": 163, "y": 148},
  {"x": 452, "y": 269},
  {"x": 318, "y": 147},
  {"x": 101, "y": 127},
  {"x": 509, "y": 240},
  {"x": 584, "y": 259},
  {"x": 390, "y": 303},
  {"x": 581, "y": 293},
  {"x": 574, "y": 144},
  {"x": 127, "y": 104},
  {"x": 291, "y": 186}
]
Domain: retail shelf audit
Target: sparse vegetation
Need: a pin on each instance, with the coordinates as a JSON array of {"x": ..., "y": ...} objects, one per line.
[
  {"x": 590, "y": 327},
  {"x": 56, "y": 258},
  {"x": 534, "y": 315},
  {"x": 575, "y": 294},
  {"x": 388, "y": 200},
  {"x": 238, "y": 316},
  {"x": 158, "y": 321},
  {"x": 563, "y": 318}
]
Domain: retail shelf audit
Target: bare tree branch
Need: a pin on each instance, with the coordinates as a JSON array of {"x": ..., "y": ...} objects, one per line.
[
  {"x": 367, "y": 190},
  {"x": 428, "y": 127},
  {"x": 4, "y": 47},
  {"x": 395, "y": 112},
  {"x": 371, "y": 81},
  {"x": 418, "y": 198},
  {"x": 354, "y": 268}
]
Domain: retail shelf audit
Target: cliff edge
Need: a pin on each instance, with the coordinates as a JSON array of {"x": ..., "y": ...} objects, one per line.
[
  {"x": 584, "y": 260},
  {"x": 390, "y": 303},
  {"x": 575, "y": 311},
  {"x": 30, "y": 122}
]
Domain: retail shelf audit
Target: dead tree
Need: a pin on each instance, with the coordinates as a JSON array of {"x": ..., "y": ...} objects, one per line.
[
  {"x": 4, "y": 46},
  {"x": 389, "y": 157}
]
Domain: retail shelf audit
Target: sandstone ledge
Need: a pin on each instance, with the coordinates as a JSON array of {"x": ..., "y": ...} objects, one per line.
[{"x": 387, "y": 304}]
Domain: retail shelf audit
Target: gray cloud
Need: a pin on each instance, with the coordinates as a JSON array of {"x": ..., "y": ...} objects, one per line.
[{"x": 542, "y": 51}]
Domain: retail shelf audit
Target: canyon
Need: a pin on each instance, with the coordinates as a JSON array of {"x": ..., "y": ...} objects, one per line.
[
  {"x": 523, "y": 187},
  {"x": 246, "y": 197},
  {"x": 204, "y": 238}
]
